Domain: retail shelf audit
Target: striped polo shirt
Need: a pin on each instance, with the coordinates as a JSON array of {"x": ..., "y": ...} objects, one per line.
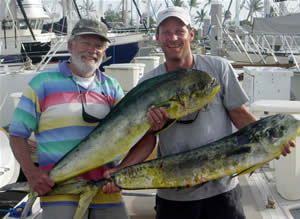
[{"x": 51, "y": 108}]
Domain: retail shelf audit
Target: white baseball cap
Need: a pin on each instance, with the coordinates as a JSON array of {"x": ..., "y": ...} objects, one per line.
[{"x": 178, "y": 12}]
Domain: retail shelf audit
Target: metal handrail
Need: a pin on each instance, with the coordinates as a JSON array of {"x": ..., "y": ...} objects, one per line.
[
  {"x": 292, "y": 54},
  {"x": 243, "y": 47},
  {"x": 51, "y": 53},
  {"x": 257, "y": 49},
  {"x": 271, "y": 50}
]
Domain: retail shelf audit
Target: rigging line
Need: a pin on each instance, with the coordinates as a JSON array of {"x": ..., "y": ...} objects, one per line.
[
  {"x": 138, "y": 11},
  {"x": 153, "y": 11},
  {"x": 26, "y": 18},
  {"x": 4, "y": 101},
  {"x": 77, "y": 10}
]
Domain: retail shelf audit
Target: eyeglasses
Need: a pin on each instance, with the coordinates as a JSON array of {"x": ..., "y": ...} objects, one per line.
[
  {"x": 85, "y": 116},
  {"x": 189, "y": 121},
  {"x": 98, "y": 45}
]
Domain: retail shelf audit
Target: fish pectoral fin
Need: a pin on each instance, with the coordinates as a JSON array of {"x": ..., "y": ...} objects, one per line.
[
  {"x": 249, "y": 170},
  {"x": 85, "y": 199},
  {"x": 168, "y": 124}
]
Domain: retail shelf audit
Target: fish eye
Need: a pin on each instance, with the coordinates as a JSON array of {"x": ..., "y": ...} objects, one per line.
[
  {"x": 201, "y": 85},
  {"x": 275, "y": 132}
]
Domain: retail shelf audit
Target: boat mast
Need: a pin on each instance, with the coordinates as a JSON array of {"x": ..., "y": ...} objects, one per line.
[
  {"x": 237, "y": 13},
  {"x": 76, "y": 8},
  {"x": 148, "y": 13},
  {"x": 216, "y": 27},
  {"x": 124, "y": 12},
  {"x": 267, "y": 8},
  {"x": 101, "y": 12},
  {"x": 138, "y": 10}
]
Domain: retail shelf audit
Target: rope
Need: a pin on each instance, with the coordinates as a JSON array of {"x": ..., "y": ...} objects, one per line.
[{"x": 17, "y": 211}]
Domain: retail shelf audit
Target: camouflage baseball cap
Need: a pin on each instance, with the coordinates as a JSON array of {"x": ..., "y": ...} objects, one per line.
[{"x": 89, "y": 26}]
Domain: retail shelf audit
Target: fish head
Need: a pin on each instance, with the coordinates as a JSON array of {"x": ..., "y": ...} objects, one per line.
[
  {"x": 274, "y": 131},
  {"x": 198, "y": 90}
]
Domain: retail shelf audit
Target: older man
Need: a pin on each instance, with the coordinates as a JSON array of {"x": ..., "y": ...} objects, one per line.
[{"x": 62, "y": 106}]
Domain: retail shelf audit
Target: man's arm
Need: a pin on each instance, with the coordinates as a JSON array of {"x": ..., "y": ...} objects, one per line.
[
  {"x": 36, "y": 177},
  {"x": 241, "y": 117}
]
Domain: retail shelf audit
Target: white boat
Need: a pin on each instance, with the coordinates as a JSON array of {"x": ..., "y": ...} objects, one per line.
[
  {"x": 21, "y": 30},
  {"x": 9, "y": 167},
  {"x": 14, "y": 76},
  {"x": 273, "y": 40},
  {"x": 23, "y": 35},
  {"x": 251, "y": 57},
  {"x": 270, "y": 40}
]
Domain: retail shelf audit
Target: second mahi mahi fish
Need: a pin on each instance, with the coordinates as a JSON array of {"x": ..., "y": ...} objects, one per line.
[{"x": 242, "y": 152}]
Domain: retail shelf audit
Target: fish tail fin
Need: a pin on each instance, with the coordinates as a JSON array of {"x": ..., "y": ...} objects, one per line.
[
  {"x": 24, "y": 186},
  {"x": 31, "y": 198},
  {"x": 86, "y": 197}
]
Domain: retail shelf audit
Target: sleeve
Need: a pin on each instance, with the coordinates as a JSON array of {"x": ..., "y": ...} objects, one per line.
[
  {"x": 234, "y": 94},
  {"x": 161, "y": 69},
  {"x": 26, "y": 115},
  {"x": 119, "y": 93}
]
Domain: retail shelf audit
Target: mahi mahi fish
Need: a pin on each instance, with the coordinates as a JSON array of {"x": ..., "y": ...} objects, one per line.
[
  {"x": 180, "y": 93},
  {"x": 236, "y": 154},
  {"x": 242, "y": 152}
]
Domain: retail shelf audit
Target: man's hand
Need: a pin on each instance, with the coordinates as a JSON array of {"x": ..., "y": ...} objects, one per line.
[
  {"x": 157, "y": 118},
  {"x": 286, "y": 148},
  {"x": 110, "y": 187},
  {"x": 40, "y": 181}
]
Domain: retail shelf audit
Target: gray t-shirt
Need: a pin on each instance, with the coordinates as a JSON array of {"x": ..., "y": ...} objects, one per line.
[{"x": 211, "y": 124}]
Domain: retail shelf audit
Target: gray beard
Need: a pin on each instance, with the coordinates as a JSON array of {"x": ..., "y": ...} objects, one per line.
[{"x": 84, "y": 68}]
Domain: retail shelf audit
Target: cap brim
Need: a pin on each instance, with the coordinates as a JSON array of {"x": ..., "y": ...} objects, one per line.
[
  {"x": 92, "y": 33},
  {"x": 175, "y": 16}
]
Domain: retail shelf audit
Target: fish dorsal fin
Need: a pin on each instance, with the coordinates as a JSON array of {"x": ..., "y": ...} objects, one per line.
[
  {"x": 168, "y": 124},
  {"x": 32, "y": 196},
  {"x": 249, "y": 170}
]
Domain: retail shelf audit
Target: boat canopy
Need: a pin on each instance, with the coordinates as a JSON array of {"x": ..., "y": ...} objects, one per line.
[
  {"x": 288, "y": 24},
  {"x": 33, "y": 9}
]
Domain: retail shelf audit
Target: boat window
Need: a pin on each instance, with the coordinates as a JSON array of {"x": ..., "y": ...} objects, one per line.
[
  {"x": 39, "y": 24},
  {"x": 23, "y": 25},
  {"x": 33, "y": 24}
]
